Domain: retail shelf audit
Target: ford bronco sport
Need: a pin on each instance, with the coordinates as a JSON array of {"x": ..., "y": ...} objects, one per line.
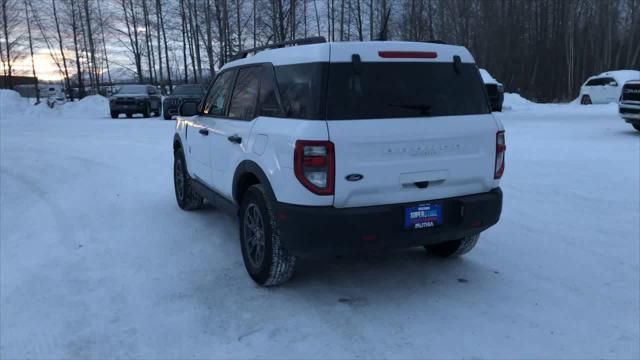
[{"x": 330, "y": 148}]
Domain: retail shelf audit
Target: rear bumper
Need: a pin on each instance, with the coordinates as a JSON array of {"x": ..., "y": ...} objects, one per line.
[
  {"x": 310, "y": 230},
  {"x": 170, "y": 109},
  {"x": 128, "y": 108}
]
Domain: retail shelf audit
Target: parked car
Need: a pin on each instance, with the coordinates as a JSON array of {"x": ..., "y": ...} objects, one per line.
[
  {"x": 606, "y": 87},
  {"x": 495, "y": 90},
  {"x": 330, "y": 148},
  {"x": 135, "y": 99},
  {"x": 629, "y": 106},
  {"x": 54, "y": 93},
  {"x": 189, "y": 92}
]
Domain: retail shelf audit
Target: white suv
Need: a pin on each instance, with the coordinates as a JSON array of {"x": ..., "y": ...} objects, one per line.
[{"x": 330, "y": 148}]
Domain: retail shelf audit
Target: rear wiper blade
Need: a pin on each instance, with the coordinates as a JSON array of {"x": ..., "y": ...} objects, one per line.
[{"x": 425, "y": 109}]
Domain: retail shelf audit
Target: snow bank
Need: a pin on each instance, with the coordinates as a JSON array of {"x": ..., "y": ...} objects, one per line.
[
  {"x": 12, "y": 105},
  {"x": 15, "y": 106},
  {"x": 87, "y": 107},
  {"x": 513, "y": 101}
]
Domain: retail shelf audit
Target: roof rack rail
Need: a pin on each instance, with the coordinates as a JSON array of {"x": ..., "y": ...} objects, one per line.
[
  {"x": 435, "y": 41},
  {"x": 304, "y": 41}
]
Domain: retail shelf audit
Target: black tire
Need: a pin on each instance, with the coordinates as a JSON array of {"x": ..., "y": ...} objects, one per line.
[
  {"x": 147, "y": 111},
  {"x": 636, "y": 126},
  {"x": 167, "y": 116},
  {"x": 453, "y": 248},
  {"x": 186, "y": 196},
  {"x": 115, "y": 114},
  {"x": 585, "y": 100},
  {"x": 276, "y": 265}
]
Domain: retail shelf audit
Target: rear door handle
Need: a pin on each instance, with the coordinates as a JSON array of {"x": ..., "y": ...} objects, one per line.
[
  {"x": 235, "y": 139},
  {"x": 204, "y": 131}
]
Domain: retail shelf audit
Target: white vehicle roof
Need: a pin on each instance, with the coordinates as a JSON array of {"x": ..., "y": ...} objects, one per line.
[
  {"x": 487, "y": 78},
  {"x": 621, "y": 76},
  {"x": 342, "y": 51}
]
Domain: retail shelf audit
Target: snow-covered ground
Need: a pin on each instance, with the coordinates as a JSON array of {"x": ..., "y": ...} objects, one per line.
[{"x": 98, "y": 261}]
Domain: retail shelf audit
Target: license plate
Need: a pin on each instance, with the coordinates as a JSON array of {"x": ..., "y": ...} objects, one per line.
[{"x": 422, "y": 216}]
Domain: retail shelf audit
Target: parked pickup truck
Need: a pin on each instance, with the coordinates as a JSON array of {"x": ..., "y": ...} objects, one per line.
[
  {"x": 331, "y": 148},
  {"x": 629, "y": 106}
]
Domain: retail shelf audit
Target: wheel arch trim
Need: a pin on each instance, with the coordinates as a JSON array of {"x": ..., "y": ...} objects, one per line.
[{"x": 250, "y": 167}]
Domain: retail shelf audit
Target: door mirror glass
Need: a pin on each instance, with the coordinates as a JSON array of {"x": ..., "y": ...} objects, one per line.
[{"x": 188, "y": 108}]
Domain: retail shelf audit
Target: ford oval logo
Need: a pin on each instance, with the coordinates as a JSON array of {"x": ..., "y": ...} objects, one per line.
[{"x": 354, "y": 177}]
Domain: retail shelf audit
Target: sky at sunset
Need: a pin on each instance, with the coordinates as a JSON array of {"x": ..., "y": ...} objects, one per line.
[{"x": 46, "y": 69}]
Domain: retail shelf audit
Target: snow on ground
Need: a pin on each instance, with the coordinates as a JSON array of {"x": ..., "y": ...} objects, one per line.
[{"x": 98, "y": 261}]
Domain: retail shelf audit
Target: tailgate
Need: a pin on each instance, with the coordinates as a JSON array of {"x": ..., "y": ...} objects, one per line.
[{"x": 406, "y": 160}]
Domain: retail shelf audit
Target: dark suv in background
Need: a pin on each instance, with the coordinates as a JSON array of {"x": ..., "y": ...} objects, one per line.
[
  {"x": 135, "y": 99},
  {"x": 495, "y": 90},
  {"x": 180, "y": 94}
]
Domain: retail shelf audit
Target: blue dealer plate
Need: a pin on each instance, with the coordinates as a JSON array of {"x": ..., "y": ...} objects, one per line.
[{"x": 422, "y": 216}]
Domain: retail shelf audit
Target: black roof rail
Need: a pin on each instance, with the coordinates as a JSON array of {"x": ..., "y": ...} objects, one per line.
[
  {"x": 304, "y": 41},
  {"x": 435, "y": 41}
]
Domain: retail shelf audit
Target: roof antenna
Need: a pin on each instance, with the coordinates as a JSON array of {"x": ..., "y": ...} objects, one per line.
[
  {"x": 383, "y": 29},
  {"x": 457, "y": 64}
]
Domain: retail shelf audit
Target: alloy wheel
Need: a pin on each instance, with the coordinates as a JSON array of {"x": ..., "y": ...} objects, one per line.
[{"x": 254, "y": 235}]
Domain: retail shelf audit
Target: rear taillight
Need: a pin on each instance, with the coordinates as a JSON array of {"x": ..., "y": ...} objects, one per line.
[
  {"x": 314, "y": 165},
  {"x": 501, "y": 147}
]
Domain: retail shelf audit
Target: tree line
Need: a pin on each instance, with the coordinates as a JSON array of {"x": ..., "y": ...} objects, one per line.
[{"x": 543, "y": 49}]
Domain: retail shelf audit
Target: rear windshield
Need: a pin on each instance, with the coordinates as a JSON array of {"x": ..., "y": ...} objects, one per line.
[
  {"x": 404, "y": 89},
  {"x": 188, "y": 90},
  {"x": 342, "y": 91},
  {"x": 133, "y": 89}
]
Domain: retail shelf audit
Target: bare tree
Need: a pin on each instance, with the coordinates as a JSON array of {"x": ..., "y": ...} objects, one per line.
[
  {"x": 74, "y": 29},
  {"x": 33, "y": 63},
  {"x": 64, "y": 59}
]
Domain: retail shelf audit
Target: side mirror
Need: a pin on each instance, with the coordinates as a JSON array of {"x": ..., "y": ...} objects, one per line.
[{"x": 188, "y": 108}]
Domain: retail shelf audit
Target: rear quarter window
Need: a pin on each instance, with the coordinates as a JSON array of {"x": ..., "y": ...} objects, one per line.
[{"x": 301, "y": 88}]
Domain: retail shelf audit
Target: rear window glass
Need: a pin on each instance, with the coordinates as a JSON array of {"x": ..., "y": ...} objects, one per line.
[
  {"x": 188, "y": 90},
  {"x": 133, "y": 89},
  {"x": 404, "y": 89}
]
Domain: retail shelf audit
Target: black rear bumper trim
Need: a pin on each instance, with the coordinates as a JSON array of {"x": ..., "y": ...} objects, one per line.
[{"x": 312, "y": 230}]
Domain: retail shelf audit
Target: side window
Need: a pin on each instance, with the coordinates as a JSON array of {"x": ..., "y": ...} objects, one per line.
[
  {"x": 151, "y": 90},
  {"x": 214, "y": 105},
  {"x": 594, "y": 82},
  {"x": 609, "y": 81},
  {"x": 268, "y": 105},
  {"x": 245, "y": 94}
]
